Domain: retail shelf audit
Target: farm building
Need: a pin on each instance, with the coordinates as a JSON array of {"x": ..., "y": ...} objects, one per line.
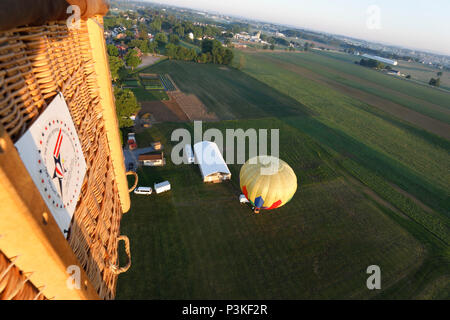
[
  {"x": 394, "y": 72},
  {"x": 211, "y": 163},
  {"x": 189, "y": 154},
  {"x": 162, "y": 186},
  {"x": 381, "y": 59},
  {"x": 152, "y": 159}
]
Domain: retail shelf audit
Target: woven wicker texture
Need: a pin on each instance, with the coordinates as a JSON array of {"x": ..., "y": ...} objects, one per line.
[
  {"x": 35, "y": 64},
  {"x": 14, "y": 285}
]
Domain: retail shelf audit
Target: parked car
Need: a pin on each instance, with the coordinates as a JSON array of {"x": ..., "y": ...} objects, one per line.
[
  {"x": 143, "y": 190},
  {"x": 132, "y": 144},
  {"x": 131, "y": 136}
]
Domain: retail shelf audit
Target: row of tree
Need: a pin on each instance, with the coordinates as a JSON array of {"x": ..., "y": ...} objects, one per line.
[
  {"x": 212, "y": 52},
  {"x": 116, "y": 64},
  {"x": 371, "y": 63},
  {"x": 436, "y": 82},
  {"x": 126, "y": 105}
]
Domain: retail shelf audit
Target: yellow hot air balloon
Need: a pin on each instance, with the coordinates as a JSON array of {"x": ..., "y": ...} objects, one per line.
[{"x": 267, "y": 182}]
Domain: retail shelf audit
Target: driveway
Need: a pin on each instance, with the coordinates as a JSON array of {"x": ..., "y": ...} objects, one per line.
[{"x": 131, "y": 156}]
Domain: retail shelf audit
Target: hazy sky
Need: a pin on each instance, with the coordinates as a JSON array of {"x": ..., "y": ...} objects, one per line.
[{"x": 421, "y": 24}]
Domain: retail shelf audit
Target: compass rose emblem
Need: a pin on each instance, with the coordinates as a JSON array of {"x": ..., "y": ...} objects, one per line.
[
  {"x": 59, "y": 168},
  {"x": 52, "y": 154}
]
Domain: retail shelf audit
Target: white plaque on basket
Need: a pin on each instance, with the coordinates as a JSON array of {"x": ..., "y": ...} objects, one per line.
[{"x": 52, "y": 154}]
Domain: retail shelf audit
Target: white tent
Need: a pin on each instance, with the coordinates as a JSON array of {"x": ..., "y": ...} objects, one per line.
[{"x": 211, "y": 162}]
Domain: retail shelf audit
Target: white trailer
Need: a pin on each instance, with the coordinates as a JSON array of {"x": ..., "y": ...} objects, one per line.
[{"x": 162, "y": 187}]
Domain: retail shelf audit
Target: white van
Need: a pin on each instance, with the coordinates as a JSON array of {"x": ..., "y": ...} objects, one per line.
[{"x": 143, "y": 190}]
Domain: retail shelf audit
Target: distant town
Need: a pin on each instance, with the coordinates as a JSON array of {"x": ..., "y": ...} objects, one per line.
[{"x": 242, "y": 33}]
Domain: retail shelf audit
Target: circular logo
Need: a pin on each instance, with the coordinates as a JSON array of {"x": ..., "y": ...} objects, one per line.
[{"x": 59, "y": 163}]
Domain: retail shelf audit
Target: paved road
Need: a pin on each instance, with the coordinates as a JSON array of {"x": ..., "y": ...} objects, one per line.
[{"x": 131, "y": 156}]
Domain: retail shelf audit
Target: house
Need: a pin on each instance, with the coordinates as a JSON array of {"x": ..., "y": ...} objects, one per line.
[
  {"x": 394, "y": 72},
  {"x": 157, "y": 145},
  {"x": 121, "y": 36},
  {"x": 152, "y": 159},
  {"x": 211, "y": 163},
  {"x": 162, "y": 186},
  {"x": 239, "y": 45},
  {"x": 139, "y": 52}
]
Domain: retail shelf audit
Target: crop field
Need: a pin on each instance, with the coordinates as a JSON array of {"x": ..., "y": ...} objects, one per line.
[
  {"x": 146, "y": 87},
  {"x": 423, "y": 73},
  {"x": 131, "y": 83},
  {"x": 429, "y": 104},
  {"x": 167, "y": 83},
  {"x": 152, "y": 84},
  {"x": 229, "y": 93},
  {"x": 415, "y": 160},
  {"x": 373, "y": 189}
]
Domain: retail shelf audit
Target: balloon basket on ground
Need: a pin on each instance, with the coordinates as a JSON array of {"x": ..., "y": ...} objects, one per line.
[{"x": 267, "y": 182}]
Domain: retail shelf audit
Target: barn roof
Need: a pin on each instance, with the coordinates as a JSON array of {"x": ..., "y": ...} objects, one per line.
[
  {"x": 152, "y": 156},
  {"x": 209, "y": 158}
]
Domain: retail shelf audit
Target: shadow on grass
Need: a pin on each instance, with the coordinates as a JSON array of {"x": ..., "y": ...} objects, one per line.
[
  {"x": 230, "y": 93},
  {"x": 373, "y": 160}
]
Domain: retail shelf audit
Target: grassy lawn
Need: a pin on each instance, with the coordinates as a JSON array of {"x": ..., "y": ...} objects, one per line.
[
  {"x": 145, "y": 89},
  {"x": 414, "y": 160},
  {"x": 143, "y": 94},
  {"x": 418, "y": 91},
  {"x": 229, "y": 93},
  {"x": 198, "y": 242},
  {"x": 131, "y": 83},
  {"x": 425, "y": 100}
]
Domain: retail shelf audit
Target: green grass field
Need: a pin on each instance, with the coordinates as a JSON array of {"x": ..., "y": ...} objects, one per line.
[
  {"x": 145, "y": 89},
  {"x": 143, "y": 94},
  {"x": 373, "y": 189},
  {"x": 423, "y": 73},
  {"x": 423, "y": 99}
]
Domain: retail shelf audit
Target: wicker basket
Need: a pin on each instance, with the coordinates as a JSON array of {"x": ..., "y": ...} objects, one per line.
[{"x": 35, "y": 64}]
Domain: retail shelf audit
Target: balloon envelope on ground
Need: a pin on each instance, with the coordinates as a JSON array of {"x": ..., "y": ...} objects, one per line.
[{"x": 267, "y": 182}]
